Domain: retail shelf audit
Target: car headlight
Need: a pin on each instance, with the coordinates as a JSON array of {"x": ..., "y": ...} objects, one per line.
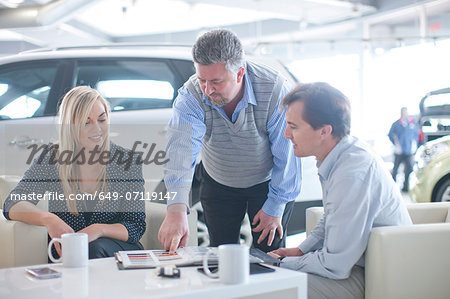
[{"x": 428, "y": 152}]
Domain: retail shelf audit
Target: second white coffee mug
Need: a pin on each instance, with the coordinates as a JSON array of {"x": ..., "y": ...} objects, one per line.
[
  {"x": 75, "y": 250},
  {"x": 234, "y": 266}
]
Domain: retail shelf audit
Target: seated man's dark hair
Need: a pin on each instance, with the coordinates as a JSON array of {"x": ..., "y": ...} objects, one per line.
[{"x": 323, "y": 105}]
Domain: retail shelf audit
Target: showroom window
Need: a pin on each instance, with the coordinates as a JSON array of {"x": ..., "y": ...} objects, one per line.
[
  {"x": 130, "y": 84},
  {"x": 24, "y": 90}
]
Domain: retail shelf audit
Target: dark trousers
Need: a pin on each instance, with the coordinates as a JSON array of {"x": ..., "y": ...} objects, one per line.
[
  {"x": 225, "y": 207},
  {"x": 408, "y": 163},
  {"x": 106, "y": 247}
]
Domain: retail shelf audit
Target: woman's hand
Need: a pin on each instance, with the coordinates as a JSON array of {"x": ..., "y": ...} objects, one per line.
[
  {"x": 55, "y": 228},
  {"x": 94, "y": 231},
  {"x": 282, "y": 252},
  {"x": 98, "y": 230}
]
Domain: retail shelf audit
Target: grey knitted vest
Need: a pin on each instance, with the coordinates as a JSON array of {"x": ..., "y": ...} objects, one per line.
[{"x": 238, "y": 154}]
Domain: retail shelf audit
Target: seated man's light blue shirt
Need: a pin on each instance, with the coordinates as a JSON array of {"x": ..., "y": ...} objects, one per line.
[
  {"x": 188, "y": 117},
  {"x": 358, "y": 195}
]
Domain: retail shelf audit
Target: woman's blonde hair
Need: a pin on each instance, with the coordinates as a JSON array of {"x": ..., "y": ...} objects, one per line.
[{"x": 73, "y": 114}]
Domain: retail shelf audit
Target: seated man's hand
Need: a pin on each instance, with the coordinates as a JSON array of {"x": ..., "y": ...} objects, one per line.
[
  {"x": 269, "y": 225},
  {"x": 282, "y": 252},
  {"x": 174, "y": 230}
]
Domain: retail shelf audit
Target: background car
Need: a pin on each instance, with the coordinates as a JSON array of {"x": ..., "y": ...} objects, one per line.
[
  {"x": 434, "y": 115},
  {"x": 430, "y": 180},
  {"x": 139, "y": 84},
  {"x": 139, "y": 81}
]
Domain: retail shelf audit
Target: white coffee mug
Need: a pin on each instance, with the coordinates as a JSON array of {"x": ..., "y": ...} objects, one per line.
[
  {"x": 234, "y": 266},
  {"x": 75, "y": 250}
]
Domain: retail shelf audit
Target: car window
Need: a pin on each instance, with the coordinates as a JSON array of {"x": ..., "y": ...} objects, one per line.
[
  {"x": 24, "y": 90},
  {"x": 24, "y": 106},
  {"x": 3, "y": 88},
  {"x": 130, "y": 84},
  {"x": 441, "y": 99}
]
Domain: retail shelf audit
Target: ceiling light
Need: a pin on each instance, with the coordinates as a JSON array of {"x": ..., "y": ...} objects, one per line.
[
  {"x": 15, "y": 1},
  {"x": 379, "y": 51},
  {"x": 303, "y": 24},
  {"x": 11, "y": 3}
]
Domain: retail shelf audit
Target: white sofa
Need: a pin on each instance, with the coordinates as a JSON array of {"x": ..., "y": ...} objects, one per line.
[
  {"x": 407, "y": 262},
  {"x": 23, "y": 244},
  {"x": 7, "y": 183}
]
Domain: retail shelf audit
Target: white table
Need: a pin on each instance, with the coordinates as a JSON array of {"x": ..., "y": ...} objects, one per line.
[{"x": 102, "y": 279}]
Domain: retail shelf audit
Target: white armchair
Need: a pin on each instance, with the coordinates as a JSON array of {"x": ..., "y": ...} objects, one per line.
[
  {"x": 407, "y": 262},
  {"x": 23, "y": 244},
  {"x": 7, "y": 183}
]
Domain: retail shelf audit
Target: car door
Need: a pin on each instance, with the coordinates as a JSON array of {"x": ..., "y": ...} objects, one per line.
[{"x": 29, "y": 92}]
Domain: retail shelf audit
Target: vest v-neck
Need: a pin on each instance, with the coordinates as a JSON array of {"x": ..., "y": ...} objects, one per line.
[{"x": 236, "y": 126}]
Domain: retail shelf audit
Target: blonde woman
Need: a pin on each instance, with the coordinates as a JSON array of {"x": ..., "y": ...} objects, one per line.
[{"x": 88, "y": 180}]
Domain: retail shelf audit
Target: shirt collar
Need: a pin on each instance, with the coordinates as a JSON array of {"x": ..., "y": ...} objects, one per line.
[
  {"x": 248, "y": 93},
  {"x": 325, "y": 167}
]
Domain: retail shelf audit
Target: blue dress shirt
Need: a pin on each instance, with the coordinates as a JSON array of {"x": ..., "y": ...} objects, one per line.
[{"x": 186, "y": 131}]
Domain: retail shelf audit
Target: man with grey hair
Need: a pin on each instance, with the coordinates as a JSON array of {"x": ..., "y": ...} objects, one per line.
[{"x": 229, "y": 110}]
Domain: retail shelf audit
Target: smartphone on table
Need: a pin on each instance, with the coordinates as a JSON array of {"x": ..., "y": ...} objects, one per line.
[
  {"x": 43, "y": 272},
  {"x": 212, "y": 269},
  {"x": 255, "y": 268}
]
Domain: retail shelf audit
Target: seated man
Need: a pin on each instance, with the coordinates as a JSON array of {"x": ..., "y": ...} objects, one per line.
[{"x": 358, "y": 193}]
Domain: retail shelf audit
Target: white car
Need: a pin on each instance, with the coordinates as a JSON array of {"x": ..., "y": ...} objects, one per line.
[{"x": 140, "y": 82}]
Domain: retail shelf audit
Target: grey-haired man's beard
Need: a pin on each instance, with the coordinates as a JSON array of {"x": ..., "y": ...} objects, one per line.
[{"x": 222, "y": 102}]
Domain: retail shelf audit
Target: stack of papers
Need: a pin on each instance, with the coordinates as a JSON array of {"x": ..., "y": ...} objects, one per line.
[{"x": 185, "y": 256}]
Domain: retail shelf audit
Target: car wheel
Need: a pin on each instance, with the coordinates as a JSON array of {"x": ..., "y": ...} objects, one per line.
[{"x": 443, "y": 193}]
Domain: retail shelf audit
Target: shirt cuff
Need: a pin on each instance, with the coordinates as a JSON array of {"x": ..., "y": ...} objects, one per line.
[
  {"x": 273, "y": 207},
  {"x": 309, "y": 243},
  {"x": 181, "y": 196},
  {"x": 6, "y": 214}
]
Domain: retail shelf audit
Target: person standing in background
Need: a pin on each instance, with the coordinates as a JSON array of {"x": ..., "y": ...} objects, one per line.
[{"x": 404, "y": 134}]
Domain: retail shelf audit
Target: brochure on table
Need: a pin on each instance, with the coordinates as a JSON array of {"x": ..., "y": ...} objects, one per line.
[{"x": 185, "y": 256}]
